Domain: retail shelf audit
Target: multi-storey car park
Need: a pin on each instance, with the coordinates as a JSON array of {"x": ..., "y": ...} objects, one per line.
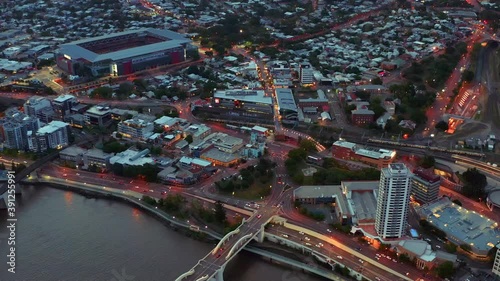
[{"x": 122, "y": 53}]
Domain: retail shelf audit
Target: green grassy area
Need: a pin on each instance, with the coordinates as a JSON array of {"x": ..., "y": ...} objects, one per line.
[{"x": 257, "y": 191}]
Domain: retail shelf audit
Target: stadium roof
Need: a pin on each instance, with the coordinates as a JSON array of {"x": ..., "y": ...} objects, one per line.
[
  {"x": 285, "y": 99},
  {"x": 75, "y": 51}
]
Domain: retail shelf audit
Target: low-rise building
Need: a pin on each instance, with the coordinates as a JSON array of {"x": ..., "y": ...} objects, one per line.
[
  {"x": 135, "y": 129},
  {"x": 72, "y": 154},
  {"x": 166, "y": 123},
  {"x": 462, "y": 227},
  {"x": 220, "y": 158},
  {"x": 423, "y": 254},
  {"x": 96, "y": 157},
  {"x": 375, "y": 157},
  {"x": 325, "y": 194},
  {"x": 198, "y": 131},
  {"x": 226, "y": 143},
  {"x": 131, "y": 157},
  {"x": 99, "y": 115},
  {"x": 362, "y": 116}
]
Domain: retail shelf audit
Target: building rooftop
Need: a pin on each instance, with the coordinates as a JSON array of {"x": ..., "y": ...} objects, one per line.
[
  {"x": 252, "y": 96},
  {"x": 285, "y": 99},
  {"x": 97, "y": 153},
  {"x": 52, "y": 127},
  {"x": 73, "y": 151},
  {"x": 466, "y": 226},
  {"x": 365, "y": 205},
  {"x": 166, "y": 121},
  {"x": 322, "y": 191},
  {"x": 420, "y": 248},
  {"x": 131, "y": 157},
  {"x": 218, "y": 155},
  {"x": 345, "y": 144},
  {"x": 376, "y": 153},
  {"x": 75, "y": 50},
  {"x": 260, "y": 129},
  {"x": 63, "y": 98},
  {"x": 98, "y": 110},
  {"x": 427, "y": 175}
]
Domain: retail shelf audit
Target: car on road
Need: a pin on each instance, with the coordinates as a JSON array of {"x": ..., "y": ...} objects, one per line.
[
  {"x": 307, "y": 238},
  {"x": 301, "y": 233},
  {"x": 284, "y": 235},
  {"x": 77, "y": 174},
  {"x": 65, "y": 175},
  {"x": 328, "y": 230},
  {"x": 259, "y": 216},
  {"x": 151, "y": 190},
  {"x": 136, "y": 186},
  {"x": 377, "y": 278},
  {"x": 361, "y": 261},
  {"x": 163, "y": 192},
  {"x": 340, "y": 257}
]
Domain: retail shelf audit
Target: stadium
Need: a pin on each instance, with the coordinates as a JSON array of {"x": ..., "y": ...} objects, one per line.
[{"x": 122, "y": 53}]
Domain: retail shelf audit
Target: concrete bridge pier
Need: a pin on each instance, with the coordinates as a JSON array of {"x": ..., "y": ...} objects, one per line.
[
  {"x": 261, "y": 234},
  {"x": 219, "y": 276}
]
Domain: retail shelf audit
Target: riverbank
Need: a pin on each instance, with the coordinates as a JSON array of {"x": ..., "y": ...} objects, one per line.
[
  {"x": 90, "y": 192},
  {"x": 134, "y": 199}
]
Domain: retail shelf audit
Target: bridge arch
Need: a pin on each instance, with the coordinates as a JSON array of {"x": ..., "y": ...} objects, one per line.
[
  {"x": 223, "y": 240},
  {"x": 184, "y": 275},
  {"x": 237, "y": 245}
]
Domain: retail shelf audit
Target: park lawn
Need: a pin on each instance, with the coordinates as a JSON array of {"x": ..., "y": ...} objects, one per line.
[{"x": 256, "y": 191}]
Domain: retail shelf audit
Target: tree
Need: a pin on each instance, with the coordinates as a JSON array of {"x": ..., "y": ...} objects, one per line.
[
  {"x": 442, "y": 126},
  {"x": 428, "y": 161},
  {"x": 467, "y": 76},
  {"x": 445, "y": 270},
  {"x": 377, "y": 81},
  {"x": 220, "y": 213},
  {"x": 474, "y": 183},
  {"x": 307, "y": 145},
  {"x": 189, "y": 139}
]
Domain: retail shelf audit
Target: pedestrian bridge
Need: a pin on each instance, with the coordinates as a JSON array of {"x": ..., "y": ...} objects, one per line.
[{"x": 211, "y": 267}]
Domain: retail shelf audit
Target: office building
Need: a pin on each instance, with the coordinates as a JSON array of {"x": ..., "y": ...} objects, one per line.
[
  {"x": 135, "y": 129},
  {"x": 99, "y": 115},
  {"x": 425, "y": 185},
  {"x": 39, "y": 107},
  {"x": 306, "y": 75},
  {"x": 62, "y": 105},
  {"x": 54, "y": 135},
  {"x": 393, "y": 201}
]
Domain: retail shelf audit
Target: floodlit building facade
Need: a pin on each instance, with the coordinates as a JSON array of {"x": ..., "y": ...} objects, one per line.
[{"x": 393, "y": 201}]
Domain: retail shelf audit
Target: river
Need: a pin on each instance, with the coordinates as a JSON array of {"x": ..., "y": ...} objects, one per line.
[{"x": 61, "y": 235}]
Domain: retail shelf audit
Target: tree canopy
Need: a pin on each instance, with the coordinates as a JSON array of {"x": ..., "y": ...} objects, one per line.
[{"x": 474, "y": 183}]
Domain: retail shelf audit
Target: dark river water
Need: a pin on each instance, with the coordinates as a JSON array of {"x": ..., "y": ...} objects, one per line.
[{"x": 62, "y": 235}]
